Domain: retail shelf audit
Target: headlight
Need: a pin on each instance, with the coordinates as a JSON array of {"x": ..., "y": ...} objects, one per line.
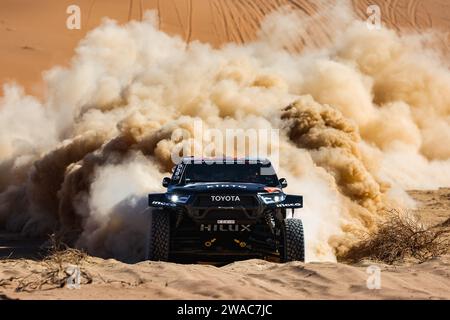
[
  {"x": 272, "y": 198},
  {"x": 177, "y": 198}
]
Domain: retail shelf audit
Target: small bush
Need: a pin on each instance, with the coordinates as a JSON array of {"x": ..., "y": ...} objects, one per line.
[
  {"x": 400, "y": 236},
  {"x": 54, "y": 272}
]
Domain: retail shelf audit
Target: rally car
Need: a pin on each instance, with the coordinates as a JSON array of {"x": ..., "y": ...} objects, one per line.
[{"x": 222, "y": 210}]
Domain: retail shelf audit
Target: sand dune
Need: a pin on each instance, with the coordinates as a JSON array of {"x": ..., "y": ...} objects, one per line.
[{"x": 35, "y": 39}]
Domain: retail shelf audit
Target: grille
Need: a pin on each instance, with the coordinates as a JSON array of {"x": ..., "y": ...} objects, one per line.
[{"x": 225, "y": 215}]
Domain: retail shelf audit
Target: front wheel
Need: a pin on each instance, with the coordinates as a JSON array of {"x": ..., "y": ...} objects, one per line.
[
  {"x": 159, "y": 236},
  {"x": 293, "y": 240}
]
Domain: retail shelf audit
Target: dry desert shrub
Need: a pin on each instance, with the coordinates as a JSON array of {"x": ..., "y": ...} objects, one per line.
[
  {"x": 53, "y": 271},
  {"x": 400, "y": 236}
]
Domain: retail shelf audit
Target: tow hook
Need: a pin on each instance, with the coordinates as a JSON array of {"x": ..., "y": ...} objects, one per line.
[
  {"x": 209, "y": 242},
  {"x": 241, "y": 244}
]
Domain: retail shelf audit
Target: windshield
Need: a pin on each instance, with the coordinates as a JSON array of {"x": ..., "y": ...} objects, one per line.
[{"x": 219, "y": 172}]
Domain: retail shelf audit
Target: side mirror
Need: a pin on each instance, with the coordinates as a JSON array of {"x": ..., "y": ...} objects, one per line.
[
  {"x": 166, "y": 182},
  {"x": 283, "y": 183}
]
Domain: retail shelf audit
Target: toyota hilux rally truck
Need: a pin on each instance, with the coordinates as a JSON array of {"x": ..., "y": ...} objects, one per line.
[{"x": 222, "y": 210}]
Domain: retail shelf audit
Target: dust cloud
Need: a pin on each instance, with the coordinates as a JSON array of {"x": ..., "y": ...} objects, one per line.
[{"x": 361, "y": 121}]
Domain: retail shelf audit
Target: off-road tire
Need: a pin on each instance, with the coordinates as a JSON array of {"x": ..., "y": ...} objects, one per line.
[
  {"x": 159, "y": 237},
  {"x": 293, "y": 239}
]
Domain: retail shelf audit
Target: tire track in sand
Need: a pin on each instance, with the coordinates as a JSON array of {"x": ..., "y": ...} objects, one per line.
[
  {"x": 189, "y": 30},
  {"x": 158, "y": 7},
  {"x": 251, "y": 19},
  {"x": 130, "y": 10},
  {"x": 214, "y": 25},
  {"x": 180, "y": 21},
  {"x": 223, "y": 19},
  {"x": 91, "y": 6},
  {"x": 235, "y": 19},
  {"x": 412, "y": 11}
]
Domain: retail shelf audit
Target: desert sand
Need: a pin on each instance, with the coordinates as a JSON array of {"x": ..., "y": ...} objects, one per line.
[
  {"x": 36, "y": 39},
  {"x": 251, "y": 279}
]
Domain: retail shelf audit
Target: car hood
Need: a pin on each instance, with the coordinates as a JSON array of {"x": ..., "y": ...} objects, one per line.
[{"x": 218, "y": 187}]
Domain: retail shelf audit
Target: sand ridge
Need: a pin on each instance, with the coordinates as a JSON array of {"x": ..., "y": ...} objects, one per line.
[{"x": 251, "y": 279}]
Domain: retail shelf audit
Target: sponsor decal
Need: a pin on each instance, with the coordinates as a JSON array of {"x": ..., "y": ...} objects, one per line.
[
  {"x": 177, "y": 172},
  {"x": 226, "y": 221},
  {"x": 284, "y": 205},
  {"x": 226, "y": 186},
  {"x": 272, "y": 189},
  {"x": 225, "y": 198},
  {"x": 166, "y": 204},
  {"x": 225, "y": 227}
]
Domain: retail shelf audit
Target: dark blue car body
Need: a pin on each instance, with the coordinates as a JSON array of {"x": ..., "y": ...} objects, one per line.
[{"x": 222, "y": 210}]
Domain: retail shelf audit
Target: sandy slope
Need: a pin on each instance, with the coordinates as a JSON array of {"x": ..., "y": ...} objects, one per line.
[
  {"x": 252, "y": 279},
  {"x": 434, "y": 205},
  {"x": 34, "y": 36}
]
